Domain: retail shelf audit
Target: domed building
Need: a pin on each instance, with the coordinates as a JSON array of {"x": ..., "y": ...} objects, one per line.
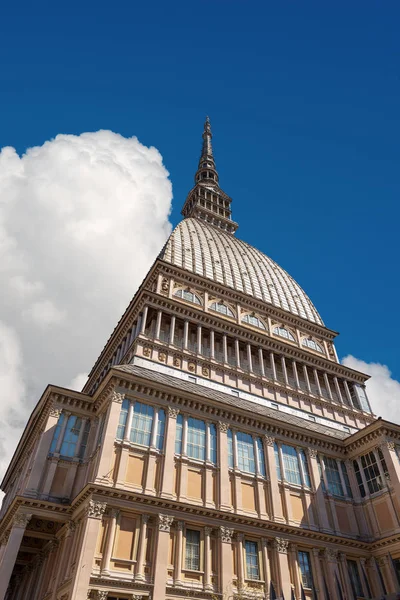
[{"x": 218, "y": 451}]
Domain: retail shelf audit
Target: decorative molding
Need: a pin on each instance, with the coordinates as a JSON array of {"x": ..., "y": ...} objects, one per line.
[
  {"x": 312, "y": 452},
  {"x": 117, "y": 397},
  {"x": 269, "y": 440},
  {"x": 21, "y": 519},
  {"x": 226, "y": 534},
  {"x": 173, "y": 412},
  {"x": 281, "y": 545},
  {"x": 208, "y": 530},
  {"x": 331, "y": 555},
  {"x": 96, "y": 509},
  {"x": 55, "y": 411},
  {"x": 101, "y": 595},
  {"x": 223, "y": 427},
  {"x": 180, "y": 525},
  {"x": 164, "y": 523}
]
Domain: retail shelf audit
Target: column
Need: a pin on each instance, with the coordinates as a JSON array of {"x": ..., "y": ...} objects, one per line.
[
  {"x": 296, "y": 375},
  {"x": 212, "y": 343},
  {"x": 240, "y": 560},
  {"x": 274, "y": 496},
  {"x": 112, "y": 525},
  {"x": 185, "y": 334},
  {"x": 328, "y": 386},
  {"x": 342, "y": 481},
  {"x": 261, "y": 507},
  {"x": 172, "y": 329},
  {"x": 348, "y": 395},
  {"x": 178, "y": 558},
  {"x": 42, "y": 450},
  {"x": 167, "y": 484},
  {"x": 319, "y": 493},
  {"x": 207, "y": 559},
  {"x": 363, "y": 577},
  {"x": 226, "y": 562},
  {"x": 158, "y": 324},
  {"x": 224, "y": 483},
  {"x": 345, "y": 575},
  {"x": 128, "y": 424},
  {"x": 318, "y": 578},
  {"x": 374, "y": 578},
  {"x": 306, "y": 379},
  {"x": 104, "y": 470},
  {"x": 388, "y": 574},
  {"x": 294, "y": 567},
  {"x": 225, "y": 347},
  {"x": 281, "y": 549},
  {"x": 316, "y": 380},
  {"x": 272, "y": 359},
  {"x": 388, "y": 449},
  {"x": 337, "y": 388},
  {"x": 160, "y": 567},
  {"x": 144, "y": 320},
  {"x": 237, "y": 353},
  {"x": 284, "y": 370},
  {"x": 10, "y": 552},
  {"x": 94, "y": 514},
  {"x": 249, "y": 357},
  {"x": 261, "y": 361},
  {"x": 141, "y": 553},
  {"x": 199, "y": 350},
  {"x": 265, "y": 566}
]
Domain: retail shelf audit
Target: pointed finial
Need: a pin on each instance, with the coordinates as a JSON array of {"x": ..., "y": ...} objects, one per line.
[{"x": 206, "y": 169}]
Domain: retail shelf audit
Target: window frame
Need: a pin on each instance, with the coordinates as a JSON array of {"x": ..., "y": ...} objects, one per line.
[
  {"x": 255, "y": 554},
  {"x": 200, "y": 553},
  {"x": 260, "y": 323},
  {"x": 290, "y": 337},
  {"x": 225, "y": 313},
  {"x": 180, "y": 294}
]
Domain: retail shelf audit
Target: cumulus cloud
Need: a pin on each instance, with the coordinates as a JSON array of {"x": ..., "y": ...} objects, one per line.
[
  {"x": 383, "y": 391},
  {"x": 81, "y": 220}
]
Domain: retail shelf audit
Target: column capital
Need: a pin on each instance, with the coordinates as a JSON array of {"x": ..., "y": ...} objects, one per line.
[
  {"x": 173, "y": 412},
  {"x": 208, "y": 530},
  {"x": 268, "y": 440},
  {"x": 226, "y": 534},
  {"x": 96, "y": 509},
  {"x": 164, "y": 523},
  {"x": 180, "y": 525},
  {"x": 387, "y": 445},
  {"x": 55, "y": 411},
  {"x": 21, "y": 519},
  {"x": 117, "y": 397},
  {"x": 240, "y": 537},
  {"x": 223, "y": 427},
  {"x": 281, "y": 545},
  {"x": 331, "y": 555},
  {"x": 71, "y": 525},
  {"x": 312, "y": 452},
  {"x": 145, "y": 519},
  {"x": 316, "y": 552}
]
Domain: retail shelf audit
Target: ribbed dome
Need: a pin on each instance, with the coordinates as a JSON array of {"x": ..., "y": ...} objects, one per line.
[{"x": 210, "y": 252}]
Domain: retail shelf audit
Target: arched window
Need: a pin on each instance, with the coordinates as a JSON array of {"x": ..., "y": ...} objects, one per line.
[
  {"x": 254, "y": 321},
  {"x": 285, "y": 333},
  {"x": 222, "y": 308},
  {"x": 312, "y": 344},
  {"x": 188, "y": 296}
]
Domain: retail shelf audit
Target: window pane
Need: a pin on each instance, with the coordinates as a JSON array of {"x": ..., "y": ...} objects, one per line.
[
  {"x": 359, "y": 478},
  {"x": 346, "y": 479},
  {"x": 160, "y": 429},
  {"x": 261, "y": 460},
  {"x": 57, "y": 433},
  {"x": 371, "y": 472},
  {"x": 142, "y": 423},
  {"x": 196, "y": 439},
  {"x": 291, "y": 465},
  {"x": 84, "y": 441},
  {"x": 245, "y": 449},
  {"x": 305, "y": 570},
  {"x": 230, "y": 448},
  {"x": 306, "y": 471},
  {"x": 355, "y": 578},
  {"x": 213, "y": 444},
  {"x": 285, "y": 333},
  {"x": 178, "y": 440},
  {"x": 333, "y": 476},
  {"x": 192, "y": 559},
  {"x": 277, "y": 463},
  {"x": 71, "y": 435},
  {"x": 252, "y": 570},
  {"x": 122, "y": 419}
]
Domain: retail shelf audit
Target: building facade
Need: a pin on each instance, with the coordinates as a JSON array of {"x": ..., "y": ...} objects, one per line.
[{"x": 218, "y": 451}]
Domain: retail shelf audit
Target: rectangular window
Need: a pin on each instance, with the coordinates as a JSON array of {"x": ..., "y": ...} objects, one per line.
[
  {"x": 359, "y": 479},
  {"x": 305, "y": 570},
  {"x": 160, "y": 429},
  {"x": 142, "y": 423},
  {"x": 362, "y": 397},
  {"x": 213, "y": 444},
  {"x": 56, "y": 434},
  {"x": 371, "y": 473},
  {"x": 71, "y": 435},
  {"x": 230, "y": 448},
  {"x": 355, "y": 579},
  {"x": 196, "y": 439},
  {"x": 179, "y": 430},
  {"x": 291, "y": 467},
  {"x": 333, "y": 476},
  {"x": 346, "y": 479},
  {"x": 306, "y": 471},
  {"x": 261, "y": 459},
  {"x": 245, "y": 450},
  {"x": 84, "y": 441},
  {"x": 192, "y": 558},
  {"x": 252, "y": 569},
  {"x": 123, "y": 415},
  {"x": 277, "y": 462}
]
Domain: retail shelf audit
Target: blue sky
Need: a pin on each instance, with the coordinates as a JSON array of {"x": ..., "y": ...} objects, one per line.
[{"x": 304, "y": 103}]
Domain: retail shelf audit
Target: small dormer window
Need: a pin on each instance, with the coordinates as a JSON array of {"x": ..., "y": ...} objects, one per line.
[
  {"x": 187, "y": 295},
  {"x": 284, "y": 333},
  {"x": 312, "y": 344},
  {"x": 223, "y": 309},
  {"x": 254, "y": 321}
]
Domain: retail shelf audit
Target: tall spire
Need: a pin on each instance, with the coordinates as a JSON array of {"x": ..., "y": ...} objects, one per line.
[
  {"x": 206, "y": 201},
  {"x": 206, "y": 169}
]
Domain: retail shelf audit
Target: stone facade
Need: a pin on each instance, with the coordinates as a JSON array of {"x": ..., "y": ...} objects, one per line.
[{"x": 218, "y": 450}]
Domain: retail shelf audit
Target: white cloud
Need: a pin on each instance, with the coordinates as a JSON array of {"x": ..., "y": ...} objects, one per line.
[
  {"x": 81, "y": 220},
  {"x": 383, "y": 391}
]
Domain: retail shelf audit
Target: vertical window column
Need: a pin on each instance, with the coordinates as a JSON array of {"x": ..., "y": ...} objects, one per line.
[
  {"x": 144, "y": 319},
  {"x": 109, "y": 541},
  {"x": 342, "y": 481},
  {"x": 316, "y": 380},
  {"x": 296, "y": 375},
  {"x": 172, "y": 329},
  {"x": 224, "y": 483},
  {"x": 284, "y": 370},
  {"x": 249, "y": 357},
  {"x": 199, "y": 340},
  {"x": 225, "y": 347},
  {"x": 265, "y": 566},
  {"x": 207, "y": 559},
  {"x": 178, "y": 553},
  {"x": 141, "y": 553},
  {"x": 273, "y": 367},
  {"x": 128, "y": 423},
  {"x": 348, "y": 395},
  {"x": 185, "y": 334},
  {"x": 261, "y": 361},
  {"x": 237, "y": 353},
  {"x": 158, "y": 324},
  {"x": 212, "y": 343},
  {"x": 338, "y": 391},
  {"x": 274, "y": 494},
  {"x": 306, "y": 379},
  {"x": 328, "y": 387},
  {"x": 240, "y": 562},
  {"x": 260, "y": 474}
]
